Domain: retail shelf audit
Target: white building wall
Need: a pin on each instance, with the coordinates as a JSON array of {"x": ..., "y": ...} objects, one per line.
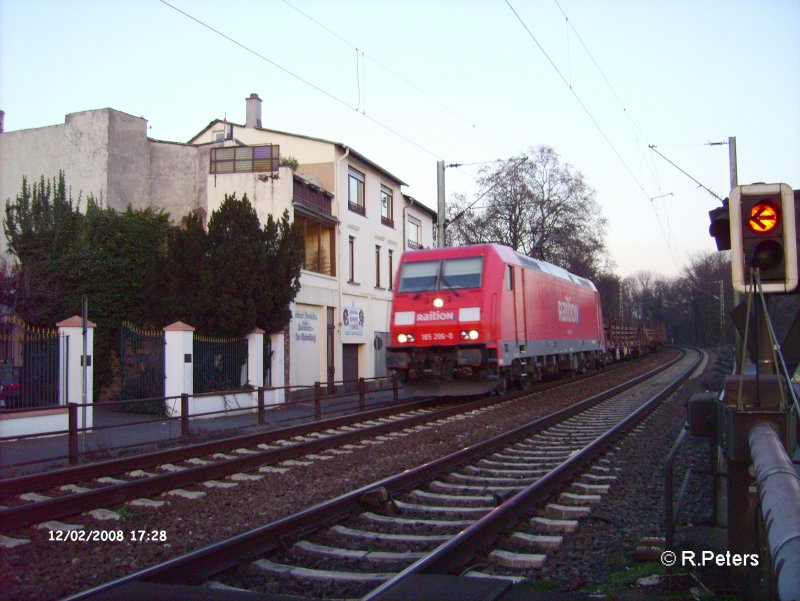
[
  {"x": 368, "y": 231},
  {"x": 268, "y": 195},
  {"x": 307, "y": 344}
]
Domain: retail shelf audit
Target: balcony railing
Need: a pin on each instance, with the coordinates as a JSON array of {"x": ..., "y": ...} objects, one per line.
[
  {"x": 314, "y": 197},
  {"x": 413, "y": 244},
  {"x": 245, "y": 159},
  {"x": 357, "y": 208}
]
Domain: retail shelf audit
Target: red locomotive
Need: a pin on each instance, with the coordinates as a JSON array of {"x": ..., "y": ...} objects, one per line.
[{"x": 468, "y": 319}]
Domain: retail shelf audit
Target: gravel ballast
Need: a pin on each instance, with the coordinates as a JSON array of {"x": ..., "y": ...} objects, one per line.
[{"x": 49, "y": 569}]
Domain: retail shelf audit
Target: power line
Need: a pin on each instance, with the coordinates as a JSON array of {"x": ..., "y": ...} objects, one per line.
[
  {"x": 578, "y": 98},
  {"x": 485, "y": 192},
  {"x": 405, "y": 80},
  {"x": 301, "y": 79},
  {"x": 596, "y": 124},
  {"x": 714, "y": 194}
]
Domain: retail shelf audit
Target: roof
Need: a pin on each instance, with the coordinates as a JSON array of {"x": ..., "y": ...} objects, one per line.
[
  {"x": 413, "y": 202},
  {"x": 339, "y": 145}
]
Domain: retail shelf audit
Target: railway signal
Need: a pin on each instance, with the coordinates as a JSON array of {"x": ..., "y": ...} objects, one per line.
[
  {"x": 720, "y": 228},
  {"x": 763, "y": 235}
]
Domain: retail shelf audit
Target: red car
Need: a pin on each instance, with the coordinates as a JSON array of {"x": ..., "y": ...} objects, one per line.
[{"x": 468, "y": 319}]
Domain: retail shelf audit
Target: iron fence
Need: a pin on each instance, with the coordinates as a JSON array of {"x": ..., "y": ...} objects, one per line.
[
  {"x": 141, "y": 359},
  {"x": 219, "y": 363},
  {"x": 29, "y": 364}
]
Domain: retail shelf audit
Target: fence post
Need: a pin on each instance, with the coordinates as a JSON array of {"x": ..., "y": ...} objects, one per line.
[
  {"x": 184, "y": 415},
  {"x": 261, "y": 419},
  {"x": 395, "y": 391},
  {"x": 255, "y": 360},
  {"x": 72, "y": 365},
  {"x": 72, "y": 409},
  {"x": 178, "y": 361},
  {"x": 361, "y": 386},
  {"x": 317, "y": 401}
]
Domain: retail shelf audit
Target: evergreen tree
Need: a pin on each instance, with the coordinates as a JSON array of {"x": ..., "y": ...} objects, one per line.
[
  {"x": 249, "y": 274},
  {"x": 43, "y": 229}
]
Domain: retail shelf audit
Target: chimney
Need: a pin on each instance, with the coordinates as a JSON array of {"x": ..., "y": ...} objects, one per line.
[
  {"x": 253, "y": 111},
  {"x": 2, "y": 119}
]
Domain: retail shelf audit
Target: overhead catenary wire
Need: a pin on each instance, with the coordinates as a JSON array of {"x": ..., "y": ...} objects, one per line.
[
  {"x": 302, "y": 79},
  {"x": 709, "y": 190},
  {"x": 597, "y": 126},
  {"x": 470, "y": 122}
]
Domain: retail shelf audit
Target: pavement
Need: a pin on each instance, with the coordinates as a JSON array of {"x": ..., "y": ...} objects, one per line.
[{"x": 117, "y": 431}]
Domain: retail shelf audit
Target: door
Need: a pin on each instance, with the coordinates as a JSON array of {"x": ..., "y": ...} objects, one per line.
[
  {"x": 519, "y": 308},
  {"x": 380, "y": 342},
  {"x": 350, "y": 367}
]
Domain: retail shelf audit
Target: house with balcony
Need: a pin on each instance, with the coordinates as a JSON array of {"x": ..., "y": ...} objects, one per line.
[
  {"x": 355, "y": 219},
  {"x": 356, "y": 223}
]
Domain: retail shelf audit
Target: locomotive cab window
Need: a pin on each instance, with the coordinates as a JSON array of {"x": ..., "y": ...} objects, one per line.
[
  {"x": 451, "y": 274},
  {"x": 462, "y": 273},
  {"x": 419, "y": 276}
]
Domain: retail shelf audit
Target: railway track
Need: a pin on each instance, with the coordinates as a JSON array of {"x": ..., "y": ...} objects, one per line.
[
  {"x": 193, "y": 470},
  {"x": 428, "y": 520}
]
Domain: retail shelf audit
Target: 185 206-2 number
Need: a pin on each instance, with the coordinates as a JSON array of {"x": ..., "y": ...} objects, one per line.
[
  {"x": 438, "y": 336},
  {"x": 114, "y": 536}
]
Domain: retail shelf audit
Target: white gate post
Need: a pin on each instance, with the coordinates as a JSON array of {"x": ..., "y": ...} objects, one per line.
[
  {"x": 274, "y": 397},
  {"x": 73, "y": 378},
  {"x": 255, "y": 360},
  {"x": 178, "y": 364}
]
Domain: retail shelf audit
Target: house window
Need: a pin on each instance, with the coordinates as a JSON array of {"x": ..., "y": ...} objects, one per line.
[
  {"x": 413, "y": 232},
  {"x": 352, "y": 260},
  {"x": 319, "y": 245},
  {"x": 391, "y": 269},
  {"x": 387, "y": 211},
  {"x": 355, "y": 191},
  {"x": 377, "y": 266}
]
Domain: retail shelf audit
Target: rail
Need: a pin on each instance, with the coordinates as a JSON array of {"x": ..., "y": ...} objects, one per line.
[
  {"x": 455, "y": 552},
  {"x": 224, "y": 554}
]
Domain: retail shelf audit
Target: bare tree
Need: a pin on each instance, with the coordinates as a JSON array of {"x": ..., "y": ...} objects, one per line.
[{"x": 540, "y": 207}]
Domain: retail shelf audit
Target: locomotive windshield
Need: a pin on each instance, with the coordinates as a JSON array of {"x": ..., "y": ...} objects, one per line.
[{"x": 450, "y": 274}]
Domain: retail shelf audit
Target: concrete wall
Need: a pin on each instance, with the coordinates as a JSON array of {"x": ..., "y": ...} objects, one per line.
[
  {"x": 268, "y": 195},
  {"x": 178, "y": 175},
  {"x": 106, "y": 153}
]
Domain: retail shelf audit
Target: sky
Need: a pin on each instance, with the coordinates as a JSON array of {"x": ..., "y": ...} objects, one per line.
[{"x": 408, "y": 83}]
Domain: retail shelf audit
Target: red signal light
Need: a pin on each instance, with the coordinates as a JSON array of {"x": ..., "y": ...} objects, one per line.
[{"x": 764, "y": 217}]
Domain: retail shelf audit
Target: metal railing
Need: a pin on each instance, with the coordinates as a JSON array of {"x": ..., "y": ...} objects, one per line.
[
  {"x": 313, "y": 403},
  {"x": 30, "y": 365}
]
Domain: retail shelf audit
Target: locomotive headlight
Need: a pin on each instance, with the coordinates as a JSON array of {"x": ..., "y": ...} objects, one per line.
[
  {"x": 473, "y": 334},
  {"x": 402, "y": 338},
  {"x": 438, "y": 303}
]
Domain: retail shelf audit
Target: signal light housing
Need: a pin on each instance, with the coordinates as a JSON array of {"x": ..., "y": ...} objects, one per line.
[
  {"x": 720, "y": 228},
  {"x": 763, "y": 236}
]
